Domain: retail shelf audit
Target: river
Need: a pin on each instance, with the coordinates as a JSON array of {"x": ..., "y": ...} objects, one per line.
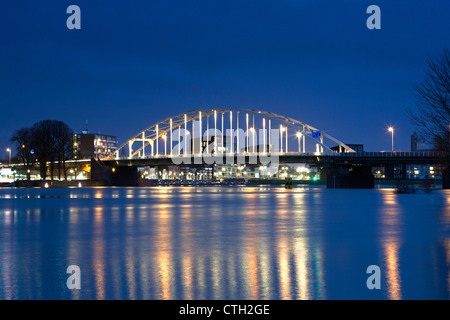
[{"x": 223, "y": 243}]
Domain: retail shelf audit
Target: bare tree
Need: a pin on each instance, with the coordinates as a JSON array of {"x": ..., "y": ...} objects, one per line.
[
  {"x": 432, "y": 112},
  {"x": 44, "y": 143},
  {"x": 22, "y": 138},
  {"x": 63, "y": 145},
  {"x": 47, "y": 141}
]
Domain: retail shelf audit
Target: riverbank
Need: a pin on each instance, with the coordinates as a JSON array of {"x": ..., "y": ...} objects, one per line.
[
  {"x": 48, "y": 184},
  {"x": 250, "y": 182}
]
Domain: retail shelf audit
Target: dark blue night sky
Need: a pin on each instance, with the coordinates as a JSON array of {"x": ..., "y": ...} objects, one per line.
[{"x": 136, "y": 62}]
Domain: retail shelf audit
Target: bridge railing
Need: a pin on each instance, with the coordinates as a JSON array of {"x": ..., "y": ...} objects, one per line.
[
  {"x": 242, "y": 154},
  {"x": 390, "y": 154},
  {"x": 417, "y": 154}
]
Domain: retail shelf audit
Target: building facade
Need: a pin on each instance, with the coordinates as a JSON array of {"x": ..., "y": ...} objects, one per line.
[
  {"x": 415, "y": 171},
  {"x": 93, "y": 145},
  {"x": 417, "y": 143}
]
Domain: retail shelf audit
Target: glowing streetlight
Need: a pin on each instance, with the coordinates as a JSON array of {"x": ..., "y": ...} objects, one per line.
[
  {"x": 391, "y": 130},
  {"x": 9, "y": 151}
]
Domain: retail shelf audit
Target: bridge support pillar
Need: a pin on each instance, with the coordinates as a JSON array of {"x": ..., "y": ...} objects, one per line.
[
  {"x": 395, "y": 171},
  {"x": 358, "y": 177},
  {"x": 446, "y": 178},
  {"x": 113, "y": 176}
]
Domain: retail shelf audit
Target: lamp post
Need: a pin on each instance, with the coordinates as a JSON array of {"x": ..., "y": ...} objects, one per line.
[
  {"x": 9, "y": 151},
  {"x": 391, "y": 130}
]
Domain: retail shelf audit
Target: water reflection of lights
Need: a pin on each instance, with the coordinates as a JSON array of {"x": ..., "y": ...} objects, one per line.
[
  {"x": 252, "y": 247},
  {"x": 188, "y": 275},
  {"x": 302, "y": 271},
  {"x": 445, "y": 218},
  {"x": 254, "y": 284},
  {"x": 99, "y": 251},
  {"x": 8, "y": 216},
  {"x": 391, "y": 222},
  {"x": 309, "y": 263},
  {"x": 284, "y": 269},
  {"x": 264, "y": 270},
  {"x": 295, "y": 258},
  {"x": 202, "y": 276},
  {"x": 445, "y": 221},
  {"x": 172, "y": 246},
  {"x": 447, "y": 258},
  {"x": 163, "y": 254},
  {"x": 389, "y": 197},
  {"x": 283, "y": 246},
  {"x": 187, "y": 249},
  {"x": 73, "y": 252},
  {"x": 391, "y": 249},
  {"x": 131, "y": 269},
  {"x": 216, "y": 269},
  {"x": 6, "y": 263}
]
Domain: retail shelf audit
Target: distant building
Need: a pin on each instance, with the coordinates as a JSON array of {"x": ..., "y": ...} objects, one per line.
[
  {"x": 356, "y": 147},
  {"x": 417, "y": 143},
  {"x": 93, "y": 145},
  {"x": 416, "y": 171}
]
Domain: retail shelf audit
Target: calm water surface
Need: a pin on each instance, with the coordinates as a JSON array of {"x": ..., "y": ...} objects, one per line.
[{"x": 223, "y": 243}]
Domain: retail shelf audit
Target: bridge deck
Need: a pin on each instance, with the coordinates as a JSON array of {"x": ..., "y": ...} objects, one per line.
[{"x": 369, "y": 158}]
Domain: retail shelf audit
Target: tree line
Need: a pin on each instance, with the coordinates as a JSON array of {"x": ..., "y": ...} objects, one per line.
[
  {"x": 432, "y": 110},
  {"x": 46, "y": 143}
]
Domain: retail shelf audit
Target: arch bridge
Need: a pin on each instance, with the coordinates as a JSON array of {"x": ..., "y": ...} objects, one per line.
[{"x": 228, "y": 131}]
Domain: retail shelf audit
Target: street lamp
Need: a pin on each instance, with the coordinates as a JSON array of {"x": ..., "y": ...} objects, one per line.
[
  {"x": 391, "y": 130},
  {"x": 9, "y": 150}
]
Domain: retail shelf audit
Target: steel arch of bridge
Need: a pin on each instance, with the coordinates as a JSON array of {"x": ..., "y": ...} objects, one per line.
[{"x": 151, "y": 136}]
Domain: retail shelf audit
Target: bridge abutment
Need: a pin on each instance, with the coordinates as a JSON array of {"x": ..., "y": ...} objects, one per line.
[
  {"x": 120, "y": 176},
  {"x": 356, "y": 177},
  {"x": 446, "y": 179},
  {"x": 395, "y": 171}
]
